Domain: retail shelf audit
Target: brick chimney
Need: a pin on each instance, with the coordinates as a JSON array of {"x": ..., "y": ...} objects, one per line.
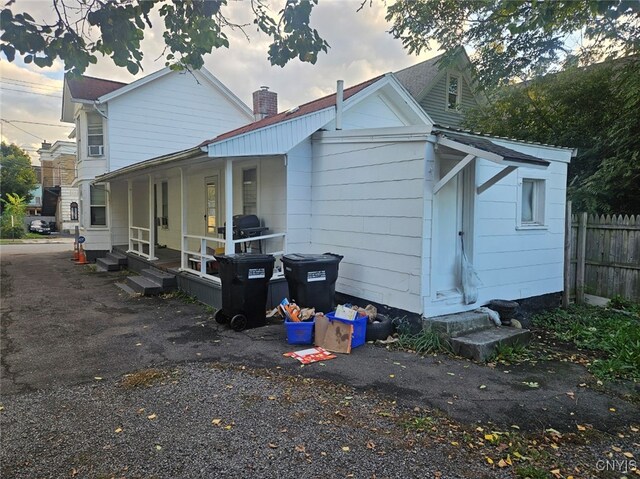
[{"x": 265, "y": 103}]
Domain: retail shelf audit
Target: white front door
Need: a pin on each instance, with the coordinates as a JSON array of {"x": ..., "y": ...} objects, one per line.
[
  {"x": 447, "y": 224},
  {"x": 211, "y": 216}
]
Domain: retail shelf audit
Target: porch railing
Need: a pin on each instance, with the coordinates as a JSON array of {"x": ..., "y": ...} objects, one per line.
[
  {"x": 197, "y": 262},
  {"x": 138, "y": 239}
]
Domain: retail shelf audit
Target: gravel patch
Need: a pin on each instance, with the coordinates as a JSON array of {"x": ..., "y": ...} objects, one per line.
[{"x": 212, "y": 420}]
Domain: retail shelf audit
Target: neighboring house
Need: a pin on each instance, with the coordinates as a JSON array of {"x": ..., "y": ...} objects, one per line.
[
  {"x": 120, "y": 124},
  {"x": 366, "y": 174},
  {"x": 444, "y": 92},
  {"x": 60, "y": 194},
  {"x": 34, "y": 208}
]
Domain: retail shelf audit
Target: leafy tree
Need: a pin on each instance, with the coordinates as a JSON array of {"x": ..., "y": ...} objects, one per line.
[
  {"x": 191, "y": 29},
  {"x": 13, "y": 214},
  {"x": 16, "y": 174},
  {"x": 519, "y": 38},
  {"x": 593, "y": 109}
]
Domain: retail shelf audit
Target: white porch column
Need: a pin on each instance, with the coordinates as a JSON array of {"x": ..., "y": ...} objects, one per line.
[
  {"x": 130, "y": 207},
  {"x": 183, "y": 219},
  {"x": 152, "y": 221},
  {"x": 228, "y": 206}
]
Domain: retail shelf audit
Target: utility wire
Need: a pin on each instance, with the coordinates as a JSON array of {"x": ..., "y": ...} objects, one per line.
[
  {"x": 38, "y": 123},
  {"x": 18, "y": 128},
  {"x": 31, "y": 92},
  {"x": 50, "y": 89},
  {"x": 21, "y": 81}
]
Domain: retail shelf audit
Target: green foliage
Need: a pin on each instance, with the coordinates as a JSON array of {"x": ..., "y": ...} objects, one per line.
[
  {"x": 593, "y": 110},
  {"x": 16, "y": 173},
  {"x": 510, "y": 353},
  {"x": 614, "y": 336},
  {"x": 423, "y": 342},
  {"x": 517, "y": 38},
  {"x": 192, "y": 28},
  {"x": 12, "y": 219}
]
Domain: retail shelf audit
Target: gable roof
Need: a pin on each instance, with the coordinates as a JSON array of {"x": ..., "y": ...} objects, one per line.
[
  {"x": 304, "y": 109},
  {"x": 90, "y": 88},
  {"x": 414, "y": 78}
]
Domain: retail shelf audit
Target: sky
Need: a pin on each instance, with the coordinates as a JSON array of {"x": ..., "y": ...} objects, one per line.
[{"x": 361, "y": 48}]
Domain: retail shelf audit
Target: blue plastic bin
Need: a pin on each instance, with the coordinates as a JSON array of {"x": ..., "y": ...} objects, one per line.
[
  {"x": 359, "y": 328},
  {"x": 299, "y": 332}
]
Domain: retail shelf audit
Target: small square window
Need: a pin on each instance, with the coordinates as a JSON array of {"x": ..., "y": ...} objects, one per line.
[{"x": 532, "y": 202}]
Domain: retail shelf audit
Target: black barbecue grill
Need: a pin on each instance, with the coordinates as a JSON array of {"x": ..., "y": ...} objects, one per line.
[{"x": 244, "y": 227}]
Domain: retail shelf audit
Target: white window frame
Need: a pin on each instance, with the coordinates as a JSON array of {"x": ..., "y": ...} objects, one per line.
[
  {"x": 247, "y": 168},
  {"x": 458, "y": 94},
  {"x": 100, "y": 147},
  {"x": 91, "y": 206},
  {"x": 539, "y": 202}
]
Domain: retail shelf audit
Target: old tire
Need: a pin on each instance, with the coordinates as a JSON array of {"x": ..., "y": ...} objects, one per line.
[
  {"x": 381, "y": 328},
  {"x": 238, "y": 322},
  {"x": 220, "y": 317}
]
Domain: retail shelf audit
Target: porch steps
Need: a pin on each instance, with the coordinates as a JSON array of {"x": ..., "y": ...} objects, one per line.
[
  {"x": 473, "y": 334},
  {"x": 481, "y": 345},
  {"x": 112, "y": 262},
  {"x": 152, "y": 281},
  {"x": 454, "y": 325}
]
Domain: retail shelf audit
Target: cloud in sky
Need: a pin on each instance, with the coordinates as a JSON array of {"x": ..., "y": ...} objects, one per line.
[{"x": 360, "y": 49}]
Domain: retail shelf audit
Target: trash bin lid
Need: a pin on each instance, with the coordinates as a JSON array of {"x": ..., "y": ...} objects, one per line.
[
  {"x": 312, "y": 258},
  {"x": 245, "y": 258}
]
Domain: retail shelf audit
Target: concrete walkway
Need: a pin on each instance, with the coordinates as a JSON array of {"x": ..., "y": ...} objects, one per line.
[{"x": 65, "y": 325}]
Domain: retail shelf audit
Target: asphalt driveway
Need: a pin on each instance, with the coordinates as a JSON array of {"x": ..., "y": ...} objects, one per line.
[{"x": 64, "y": 325}]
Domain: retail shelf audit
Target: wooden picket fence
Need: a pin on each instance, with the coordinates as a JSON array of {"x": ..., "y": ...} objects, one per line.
[{"x": 604, "y": 256}]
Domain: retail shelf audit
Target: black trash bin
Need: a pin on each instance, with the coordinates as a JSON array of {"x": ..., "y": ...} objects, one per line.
[
  {"x": 245, "y": 283},
  {"x": 312, "y": 279}
]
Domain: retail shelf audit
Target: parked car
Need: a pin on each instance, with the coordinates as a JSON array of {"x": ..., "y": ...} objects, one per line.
[{"x": 40, "y": 226}]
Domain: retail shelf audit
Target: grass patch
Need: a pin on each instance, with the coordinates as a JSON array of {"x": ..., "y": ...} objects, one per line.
[
  {"x": 613, "y": 335},
  {"x": 531, "y": 472},
  {"x": 511, "y": 353},
  {"x": 423, "y": 342},
  {"x": 145, "y": 378}
]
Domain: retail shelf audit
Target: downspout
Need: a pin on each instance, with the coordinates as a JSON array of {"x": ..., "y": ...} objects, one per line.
[{"x": 339, "y": 100}]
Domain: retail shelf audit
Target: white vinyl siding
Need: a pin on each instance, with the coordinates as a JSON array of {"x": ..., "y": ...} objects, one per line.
[
  {"x": 174, "y": 112},
  {"x": 367, "y": 204}
]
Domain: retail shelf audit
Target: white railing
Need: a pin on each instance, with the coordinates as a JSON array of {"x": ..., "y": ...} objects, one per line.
[
  {"x": 138, "y": 238},
  {"x": 197, "y": 262}
]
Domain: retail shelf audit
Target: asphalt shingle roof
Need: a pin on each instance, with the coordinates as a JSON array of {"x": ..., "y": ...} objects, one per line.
[
  {"x": 415, "y": 78},
  {"x": 91, "y": 88}
]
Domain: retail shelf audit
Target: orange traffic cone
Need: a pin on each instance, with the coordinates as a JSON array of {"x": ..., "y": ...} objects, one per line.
[{"x": 82, "y": 258}]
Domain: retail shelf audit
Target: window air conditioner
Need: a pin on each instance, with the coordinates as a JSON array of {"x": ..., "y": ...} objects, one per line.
[{"x": 96, "y": 150}]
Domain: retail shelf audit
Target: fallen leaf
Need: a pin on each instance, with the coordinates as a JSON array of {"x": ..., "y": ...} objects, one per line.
[
  {"x": 392, "y": 375},
  {"x": 138, "y": 344},
  {"x": 273, "y": 446},
  {"x": 571, "y": 395},
  {"x": 228, "y": 428},
  {"x": 556, "y": 473},
  {"x": 612, "y": 409},
  {"x": 489, "y": 460},
  {"x": 371, "y": 445},
  {"x": 531, "y": 384},
  {"x": 581, "y": 428},
  {"x": 272, "y": 398},
  {"x": 140, "y": 411},
  {"x": 634, "y": 429},
  {"x": 158, "y": 447},
  {"x": 451, "y": 374},
  {"x": 301, "y": 448},
  {"x": 97, "y": 378},
  {"x": 345, "y": 448},
  {"x": 628, "y": 454},
  {"x": 617, "y": 449},
  {"x": 152, "y": 416},
  {"x": 482, "y": 386},
  {"x": 455, "y": 443},
  {"x": 119, "y": 429},
  {"x": 502, "y": 463},
  {"x": 216, "y": 422}
]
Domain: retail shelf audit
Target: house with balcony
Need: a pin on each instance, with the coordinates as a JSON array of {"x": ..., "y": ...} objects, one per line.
[{"x": 118, "y": 125}]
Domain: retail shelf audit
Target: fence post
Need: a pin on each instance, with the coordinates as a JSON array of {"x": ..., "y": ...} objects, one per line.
[
  {"x": 580, "y": 265},
  {"x": 567, "y": 256}
]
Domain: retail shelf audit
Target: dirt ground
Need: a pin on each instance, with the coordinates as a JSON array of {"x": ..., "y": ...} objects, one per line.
[{"x": 63, "y": 326}]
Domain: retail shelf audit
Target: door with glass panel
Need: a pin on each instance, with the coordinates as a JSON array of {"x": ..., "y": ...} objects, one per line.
[{"x": 211, "y": 216}]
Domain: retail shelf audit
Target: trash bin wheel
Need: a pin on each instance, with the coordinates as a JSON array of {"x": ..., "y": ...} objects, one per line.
[
  {"x": 220, "y": 317},
  {"x": 238, "y": 322}
]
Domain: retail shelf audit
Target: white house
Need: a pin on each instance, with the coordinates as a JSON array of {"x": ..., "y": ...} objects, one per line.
[
  {"x": 366, "y": 174},
  {"x": 58, "y": 164},
  {"x": 120, "y": 124}
]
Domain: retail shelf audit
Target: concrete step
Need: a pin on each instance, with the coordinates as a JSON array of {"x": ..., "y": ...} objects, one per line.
[
  {"x": 481, "y": 345},
  {"x": 126, "y": 289},
  {"x": 454, "y": 325},
  {"x": 108, "y": 264},
  {"x": 166, "y": 280},
  {"x": 119, "y": 257},
  {"x": 143, "y": 285}
]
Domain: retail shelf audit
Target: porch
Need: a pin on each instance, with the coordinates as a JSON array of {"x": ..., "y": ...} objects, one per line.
[{"x": 174, "y": 215}]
